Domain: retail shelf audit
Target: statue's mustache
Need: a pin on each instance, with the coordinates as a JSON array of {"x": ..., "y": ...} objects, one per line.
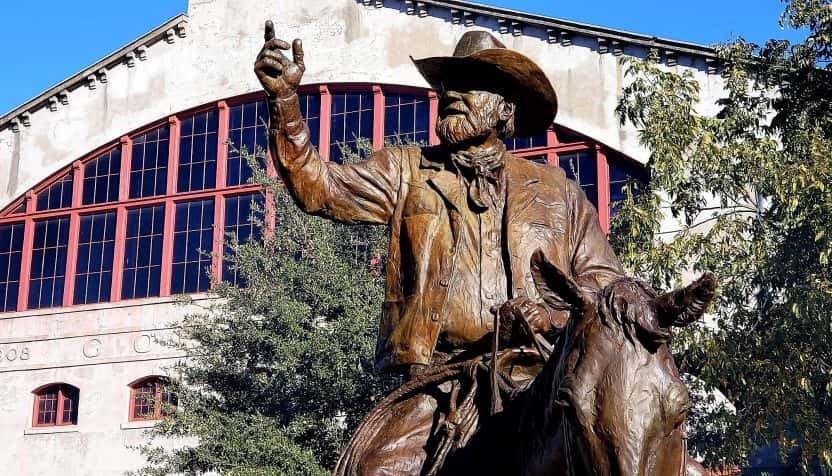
[{"x": 456, "y": 129}]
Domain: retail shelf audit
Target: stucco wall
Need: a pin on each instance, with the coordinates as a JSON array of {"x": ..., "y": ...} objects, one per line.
[{"x": 100, "y": 349}]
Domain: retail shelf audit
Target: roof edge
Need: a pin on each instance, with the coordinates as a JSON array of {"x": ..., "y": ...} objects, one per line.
[
  {"x": 111, "y": 60},
  {"x": 569, "y": 26}
]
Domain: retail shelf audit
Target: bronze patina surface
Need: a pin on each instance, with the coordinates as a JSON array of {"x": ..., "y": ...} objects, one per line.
[{"x": 528, "y": 350}]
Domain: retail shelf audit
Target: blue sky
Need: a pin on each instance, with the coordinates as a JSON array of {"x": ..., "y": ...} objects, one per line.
[{"x": 44, "y": 41}]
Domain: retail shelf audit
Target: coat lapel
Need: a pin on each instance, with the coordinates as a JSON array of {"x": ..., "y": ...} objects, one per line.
[
  {"x": 448, "y": 185},
  {"x": 522, "y": 189}
]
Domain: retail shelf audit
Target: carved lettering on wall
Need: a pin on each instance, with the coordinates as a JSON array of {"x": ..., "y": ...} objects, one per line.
[
  {"x": 141, "y": 343},
  {"x": 92, "y": 348},
  {"x": 13, "y": 353}
]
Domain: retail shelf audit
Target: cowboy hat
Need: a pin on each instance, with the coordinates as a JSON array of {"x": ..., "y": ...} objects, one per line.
[{"x": 482, "y": 63}]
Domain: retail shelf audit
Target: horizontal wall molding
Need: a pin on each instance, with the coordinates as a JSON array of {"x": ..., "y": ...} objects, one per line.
[
  {"x": 46, "y": 338},
  {"x": 90, "y": 363}
]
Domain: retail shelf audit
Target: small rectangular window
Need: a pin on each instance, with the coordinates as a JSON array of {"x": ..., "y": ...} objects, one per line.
[
  {"x": 406, "y": 118},
  {"x": 94, "y": 267},
  {"x": 101, "y": 178},
  {"x": 49, "y": 250},
  {"x": 150, "y": 399},
  {"x": 582, "y": 168},
  {"x": 58, "y": 195},
  {"x": 198, "y": 152},
  {"x": 352, "y": 119},
  {"x": 48, "y": 407},
  {"x": 193, "y": 241},
  {"x": 143, "y": 252},
  {"x": 149, "y": 164},
  {"x": 56, "y": 405},
  {"x": 238, "y": 214},
  {"x": 11, "y": 253},
  {"x": 247, "y": 135}
]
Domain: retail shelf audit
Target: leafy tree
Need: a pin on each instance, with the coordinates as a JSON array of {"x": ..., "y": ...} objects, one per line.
[
  {"x": 280, "y": 369},
  {"x": 748, "y": 194}
]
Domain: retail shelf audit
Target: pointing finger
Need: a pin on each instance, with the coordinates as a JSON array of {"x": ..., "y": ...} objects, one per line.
[
  {"x": 297, "y": 53},
  {"x": 269, "y": 32}
]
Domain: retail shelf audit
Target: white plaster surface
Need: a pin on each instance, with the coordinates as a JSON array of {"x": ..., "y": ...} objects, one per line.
[{"x": 100, "y": 349}]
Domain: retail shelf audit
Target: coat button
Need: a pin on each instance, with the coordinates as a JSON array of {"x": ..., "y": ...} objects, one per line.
[
  {"x": 434, "y": 316},
  {"x": 443, "y": 283}
]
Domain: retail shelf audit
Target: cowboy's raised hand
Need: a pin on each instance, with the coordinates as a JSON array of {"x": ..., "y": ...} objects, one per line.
[{"x": 279, "y": 76}]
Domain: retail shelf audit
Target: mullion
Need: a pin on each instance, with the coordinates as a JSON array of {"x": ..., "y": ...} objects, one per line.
[
  {"x": 136, "y": 288},
  {"x": 143, "y": 173},
  {"x": 192, "y": 230},
  {"x": 99, "y": 246},
  {"x": 54, "y": 277},
  {"x": 12, "y": 254}
]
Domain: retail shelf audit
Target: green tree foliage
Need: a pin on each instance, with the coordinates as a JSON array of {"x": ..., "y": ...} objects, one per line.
[
  {"x": 750, "y": 191},
  {"x": 280, "y": 370}
]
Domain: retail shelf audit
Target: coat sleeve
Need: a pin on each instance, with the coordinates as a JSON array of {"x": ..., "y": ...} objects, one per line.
[
  {"x": 594, "y": 264},
  {"x": 365, "y": 192}
]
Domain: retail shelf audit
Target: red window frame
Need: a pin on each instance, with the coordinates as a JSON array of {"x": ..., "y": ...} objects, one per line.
[
  {"x": 160, "y": 397},
  {"x": 23, "y": 209},
  {"x": 65, "y": 392}
]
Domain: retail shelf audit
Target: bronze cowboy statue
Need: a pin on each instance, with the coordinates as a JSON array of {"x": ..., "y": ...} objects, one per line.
[{"x": 526, "y": 349}]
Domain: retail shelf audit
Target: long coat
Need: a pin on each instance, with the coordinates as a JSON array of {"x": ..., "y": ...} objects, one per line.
[{"x": 411, "y": 190}]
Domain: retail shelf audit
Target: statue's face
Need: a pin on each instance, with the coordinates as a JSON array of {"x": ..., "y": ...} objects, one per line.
[{"x": 471, "y": 116}]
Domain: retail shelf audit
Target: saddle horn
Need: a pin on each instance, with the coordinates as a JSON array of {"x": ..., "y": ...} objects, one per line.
[{"x": 682, "y": 306}]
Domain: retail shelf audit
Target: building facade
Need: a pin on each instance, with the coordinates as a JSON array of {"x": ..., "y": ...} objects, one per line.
[{"x": 116, "y": 182}]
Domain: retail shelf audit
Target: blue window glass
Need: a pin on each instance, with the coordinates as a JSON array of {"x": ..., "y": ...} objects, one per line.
[
  {"x": 20, "y": 208},
  {"x": 247, "y": 133},
  {"x": 540, "y": 159},
  {"x": 101, "y": 178},
  {"x": 143, "y": 252},
  {"x": 582, "y": 168},
  {"x": 94, "y": 267},
  {"x": 58, "y": 195},
  {"x": 352, "y": 119},
  {"x": 49, "y": 250},
  {"x": 310, "y": 108},
  {"x": 149, "y": 164},
  {"x": 11, "y": 252},
  {"x": 198, "y": 152},
  {"x": 406, "y": 118},
  {"x": 238, "y": 214},
  {"x": 621, "y": 171},
  {"x": 517, "y": 143},
  {"x": 193, "y": 241}
]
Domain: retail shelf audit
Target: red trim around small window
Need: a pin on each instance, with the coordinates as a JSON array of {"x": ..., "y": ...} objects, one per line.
[
  {"x": 64, "y": 405},
  {"x": 148, "y": 397}
]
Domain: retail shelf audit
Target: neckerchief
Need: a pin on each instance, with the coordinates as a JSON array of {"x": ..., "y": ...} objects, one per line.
[{"x": 485, "y": 166}]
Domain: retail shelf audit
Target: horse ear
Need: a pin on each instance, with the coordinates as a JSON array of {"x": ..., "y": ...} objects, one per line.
[
  {"x": 557, "y": 289},
  {"x": 682, "y": 306}
]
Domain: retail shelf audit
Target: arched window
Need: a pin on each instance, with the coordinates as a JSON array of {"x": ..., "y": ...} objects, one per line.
[
  {"x": 146, "y": 215},
  {"x": 150, "y": 399},
  {"x": 55, "y": 405}
]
